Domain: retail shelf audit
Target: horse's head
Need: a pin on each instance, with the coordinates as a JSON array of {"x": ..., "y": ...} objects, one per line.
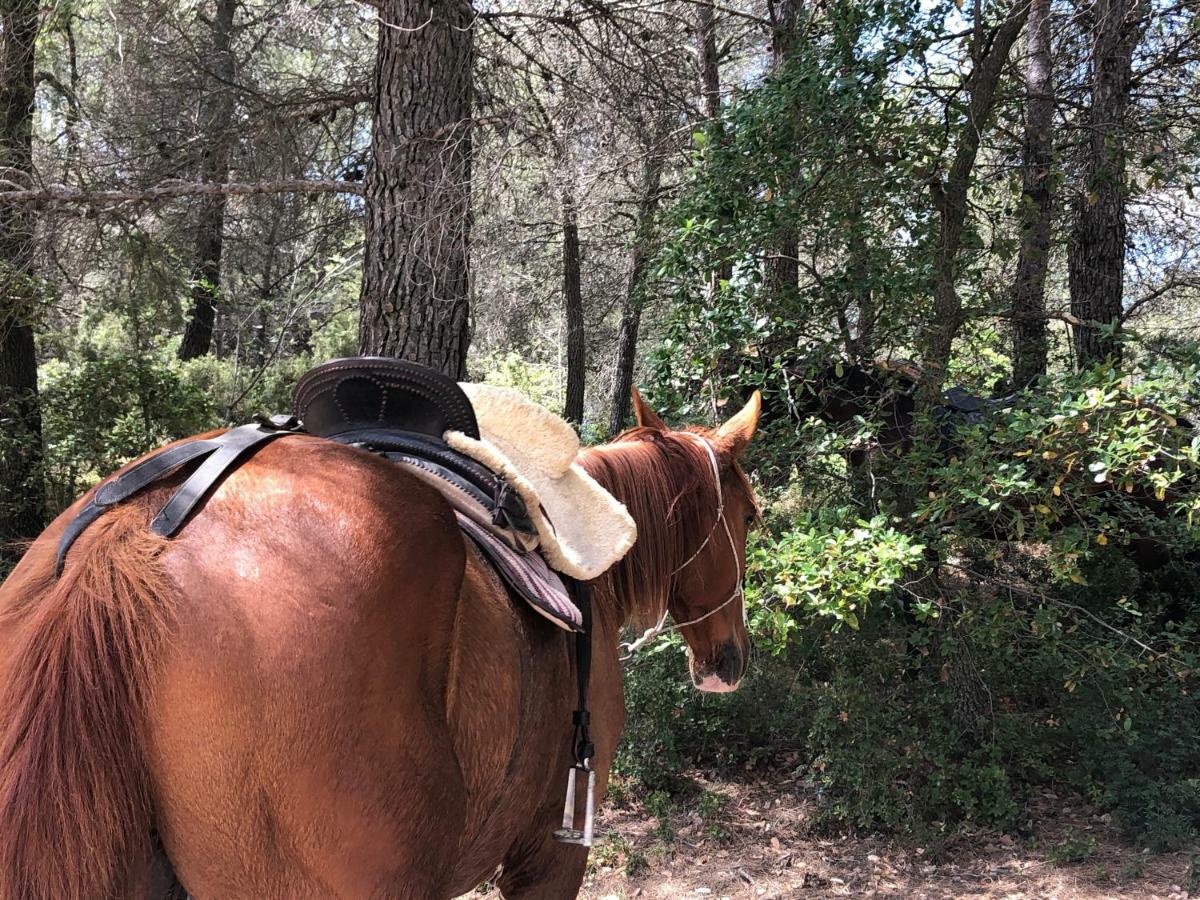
[{"x": 705, "y": 595}]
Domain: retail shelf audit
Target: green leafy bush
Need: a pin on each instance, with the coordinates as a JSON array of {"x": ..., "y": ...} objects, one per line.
[
  {"x": 100, "y": 413},
  {"x": 820, "y": 567}
]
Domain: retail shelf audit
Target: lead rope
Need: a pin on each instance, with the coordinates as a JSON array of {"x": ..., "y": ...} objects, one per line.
[{"x": 661, "y": 627}]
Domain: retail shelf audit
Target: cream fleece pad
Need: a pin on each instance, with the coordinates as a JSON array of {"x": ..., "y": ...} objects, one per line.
[{"x": 583, "y": 529}]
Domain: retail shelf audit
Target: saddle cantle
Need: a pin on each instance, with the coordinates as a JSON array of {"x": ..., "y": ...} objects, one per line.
[{"x": 374, "y": 393}]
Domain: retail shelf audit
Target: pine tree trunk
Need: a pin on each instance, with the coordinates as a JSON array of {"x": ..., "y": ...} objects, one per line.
[
  {"x": 1096, "y": 260},
  {"x": 573, "y": 303},
  {"x": 22, "y": 485},
  {"x": 631, "y": 302},
  {"x": 216, "y": 117},
  {"x": 415, "y": 293},
  {"x": 708, "y": 70},
  {"x": 1037, "y": 201}
]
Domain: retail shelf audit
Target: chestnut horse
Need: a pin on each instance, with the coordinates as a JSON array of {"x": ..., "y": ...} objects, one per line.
[{"x": 320, "y": 689}]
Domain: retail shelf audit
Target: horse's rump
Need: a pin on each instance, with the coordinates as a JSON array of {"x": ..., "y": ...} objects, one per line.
[{"x": 298, "y": 532}]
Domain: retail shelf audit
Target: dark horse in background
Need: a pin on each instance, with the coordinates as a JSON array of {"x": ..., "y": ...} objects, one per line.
[
  {"x": 884, "y": 394},
  {"x": 321, "y": 689}
]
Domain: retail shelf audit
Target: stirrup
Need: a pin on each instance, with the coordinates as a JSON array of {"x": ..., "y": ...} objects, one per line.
[{"x": 569, "y": 834}]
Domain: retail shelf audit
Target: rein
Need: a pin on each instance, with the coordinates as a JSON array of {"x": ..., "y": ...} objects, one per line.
[{"x": 661, "y": 626}]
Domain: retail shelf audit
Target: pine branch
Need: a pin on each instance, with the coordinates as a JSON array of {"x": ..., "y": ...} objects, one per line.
[{"x": 64, "y": 195}]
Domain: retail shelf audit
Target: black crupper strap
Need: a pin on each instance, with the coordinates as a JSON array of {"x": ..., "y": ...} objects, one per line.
[{"x": 582, "y": 745}]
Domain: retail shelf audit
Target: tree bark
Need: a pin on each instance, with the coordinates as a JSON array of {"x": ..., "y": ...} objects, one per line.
[
  {"x": 949, "y": 197},
  {"x": 1096, "y": 259},
  {"x": 216, "y": 117},
  {"x": 416, "y": 278},
  {"x": 631, "y": 302},
  {"x": 573, "y": 303},
  {"x": 22, "y": 486},
  {"x": 1037, "y": 201}
]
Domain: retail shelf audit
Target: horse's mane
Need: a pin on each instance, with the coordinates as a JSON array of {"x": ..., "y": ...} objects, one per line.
[{"x": 665, "y": 481}]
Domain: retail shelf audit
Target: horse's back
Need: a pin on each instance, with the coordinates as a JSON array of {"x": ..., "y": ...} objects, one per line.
[{"x": 298, "y": 739}]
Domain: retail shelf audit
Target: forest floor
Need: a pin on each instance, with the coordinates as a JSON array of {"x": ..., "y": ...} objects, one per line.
[{"x": 756, "y": 840}]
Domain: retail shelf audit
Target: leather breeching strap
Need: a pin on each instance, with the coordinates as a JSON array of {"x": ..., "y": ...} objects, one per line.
[{"x": 219, "y": 455}]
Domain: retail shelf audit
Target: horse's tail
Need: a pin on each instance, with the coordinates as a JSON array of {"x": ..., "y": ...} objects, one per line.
[{"x": 75, "y": 794}]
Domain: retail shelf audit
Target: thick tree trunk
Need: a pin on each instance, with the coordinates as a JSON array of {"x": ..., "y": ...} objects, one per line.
[
  {"x": 415, "y": 291},
  {"x": 1096, "y": 260},
  {"x": 631, "y": 302},
  {"x": 22, "y": 486},
  {"x": 216, "y": 117},
  {"x": 573, "y": 304},
  {"x": 1037, "y": 201},
  {"x": 949, "y": 197}
]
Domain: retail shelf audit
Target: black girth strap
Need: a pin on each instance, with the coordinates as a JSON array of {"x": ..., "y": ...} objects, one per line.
[
  {"x": 222, "y": 452},
  {"x": 581, "y": 745}
]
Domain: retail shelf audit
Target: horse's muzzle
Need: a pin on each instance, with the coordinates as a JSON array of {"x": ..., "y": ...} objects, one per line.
[{"x": 722, "y": 672}]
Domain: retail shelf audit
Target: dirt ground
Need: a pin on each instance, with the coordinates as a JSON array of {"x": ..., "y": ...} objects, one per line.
[{"x": 755, "y": 840}]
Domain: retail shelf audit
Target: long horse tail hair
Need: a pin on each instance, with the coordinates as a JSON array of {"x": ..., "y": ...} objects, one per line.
[{"x": 75, "y": 794}]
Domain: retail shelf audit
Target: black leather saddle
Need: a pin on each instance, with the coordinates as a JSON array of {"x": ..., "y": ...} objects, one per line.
[
  {"x": 394, "y": 408},
  {"x": 400, "y": 410},
  {"x": 376, "y": 394}
]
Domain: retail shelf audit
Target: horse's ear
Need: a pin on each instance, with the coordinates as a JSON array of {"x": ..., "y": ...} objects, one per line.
[
  {"x": 646, "y": 416},
  {"x": 735, "y": 435}
]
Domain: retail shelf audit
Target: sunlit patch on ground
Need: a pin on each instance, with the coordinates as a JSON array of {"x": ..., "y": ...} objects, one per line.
[{"x": 756, "y": 840}]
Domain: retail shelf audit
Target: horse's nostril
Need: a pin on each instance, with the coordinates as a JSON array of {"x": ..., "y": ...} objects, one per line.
[
  {"x": 730, "y": 669},
  {"x": 731, "y": 663}
]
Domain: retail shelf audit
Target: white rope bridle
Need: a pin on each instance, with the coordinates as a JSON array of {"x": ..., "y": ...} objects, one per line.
[{"x": 654, "y": 631}]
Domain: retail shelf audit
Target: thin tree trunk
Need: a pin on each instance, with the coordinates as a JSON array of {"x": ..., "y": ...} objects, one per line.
[
  {"x": 782, "y": 271},
  {"x": 1037, "y": 201},
  {"x": 216, "y": 117},
  {"x": 708, "y": 76},
  {"x": 631, "y": 302},
  {"x": 22, "y": 486},
  {"x": 708, "y": 70},
  {"x": 267, "y": 287},
  {"x": 416, "y": 279},
  {"x": 573, "y": 302},
  {"x": 1096, "y": 260},
  {"x": 949, "y": 197}
]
